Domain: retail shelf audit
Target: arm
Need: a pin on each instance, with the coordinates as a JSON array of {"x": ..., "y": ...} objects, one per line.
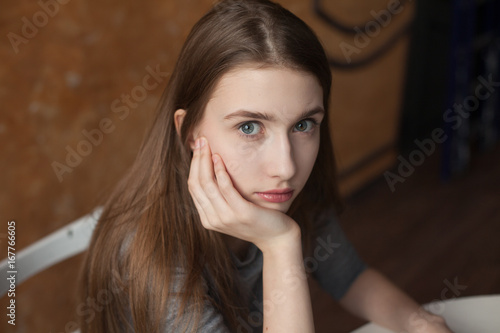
[
  {"x": 375, "y": 298},
  {"x": 286, "y": 299}
]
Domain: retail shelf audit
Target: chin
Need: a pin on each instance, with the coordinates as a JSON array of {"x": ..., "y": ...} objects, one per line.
[{"x": 283, "y": 208}]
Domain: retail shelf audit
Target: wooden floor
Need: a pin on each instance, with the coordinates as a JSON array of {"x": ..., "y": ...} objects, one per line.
[{"x": 424, "y": 233}]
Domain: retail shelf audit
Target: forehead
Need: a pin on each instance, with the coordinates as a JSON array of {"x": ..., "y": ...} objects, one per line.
[{"x": 277, "y": 91}]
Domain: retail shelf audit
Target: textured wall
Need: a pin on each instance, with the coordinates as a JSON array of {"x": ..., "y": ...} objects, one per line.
[{"x": 79, "y": 81}]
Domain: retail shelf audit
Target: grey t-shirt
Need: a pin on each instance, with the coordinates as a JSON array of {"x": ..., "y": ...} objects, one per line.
[{"x": 334, "y": 263}]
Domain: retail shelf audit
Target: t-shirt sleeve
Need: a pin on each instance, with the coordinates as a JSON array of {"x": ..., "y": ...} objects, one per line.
[
  {"x": 210, "y": 320},
  {"x": 337, "y": 262}
]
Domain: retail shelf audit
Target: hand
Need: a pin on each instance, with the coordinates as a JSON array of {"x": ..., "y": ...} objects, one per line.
[
  {"x": 428, "y": 323},
  {"x": 223, "y": 209}
]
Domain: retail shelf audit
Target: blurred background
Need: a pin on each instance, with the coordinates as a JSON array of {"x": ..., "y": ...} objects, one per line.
[{"x": 415, "y": 117}]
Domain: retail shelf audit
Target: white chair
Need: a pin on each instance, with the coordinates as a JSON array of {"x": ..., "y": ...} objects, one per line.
[
  {"x": 463, "y": 315},
  {"x": 62, "y": 244}
]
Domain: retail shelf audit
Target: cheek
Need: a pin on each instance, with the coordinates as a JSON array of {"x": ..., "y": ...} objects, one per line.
[
  {"x": 309, "y": 155},
  {"x": 238, "y": 165},
  {"x": 234, "y": 167},
  {"x": 239, "y": 172},
  {"x": 241, "y": 164},
  {"x": 240, "y": 157}
]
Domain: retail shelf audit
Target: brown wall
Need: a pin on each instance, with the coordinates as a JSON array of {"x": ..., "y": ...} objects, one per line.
[{"x": 63, "y": 78}]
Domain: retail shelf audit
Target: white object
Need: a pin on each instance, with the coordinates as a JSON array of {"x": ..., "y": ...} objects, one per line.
[
  {"x": 64, "y": 243},
  {"x": 479, "y": 314}
]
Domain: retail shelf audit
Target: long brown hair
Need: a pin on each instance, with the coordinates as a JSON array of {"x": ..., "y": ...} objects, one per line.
[{"x": 150, "y": 228}]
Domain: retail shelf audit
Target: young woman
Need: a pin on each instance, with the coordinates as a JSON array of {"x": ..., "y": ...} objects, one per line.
[{"x": 230, "y": 203}]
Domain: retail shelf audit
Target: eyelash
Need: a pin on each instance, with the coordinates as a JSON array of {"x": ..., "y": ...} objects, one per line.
[{"x": 253, "y": 136}]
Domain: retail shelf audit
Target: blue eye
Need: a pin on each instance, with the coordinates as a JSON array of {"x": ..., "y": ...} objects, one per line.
[
  {"x": 251, "y": 129},
  {"x": 302, "y": 125},
  {"x": 247, "y": 129}
]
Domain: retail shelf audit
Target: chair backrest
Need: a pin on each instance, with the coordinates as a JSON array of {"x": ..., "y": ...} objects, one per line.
[{"x": 64, "y": 243}]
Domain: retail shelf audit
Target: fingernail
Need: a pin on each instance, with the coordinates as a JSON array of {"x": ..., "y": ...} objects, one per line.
[
  {"x": 197, "y": 144},
  {"x": 214, "y": 159},
  {"x": 202, "y": 142}
]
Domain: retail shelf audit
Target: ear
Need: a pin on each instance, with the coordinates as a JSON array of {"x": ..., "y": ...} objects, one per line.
[{"x": 179, "y": 119}]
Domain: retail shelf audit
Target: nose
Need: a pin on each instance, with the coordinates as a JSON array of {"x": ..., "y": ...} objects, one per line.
[{"x": 281, "y": 159}]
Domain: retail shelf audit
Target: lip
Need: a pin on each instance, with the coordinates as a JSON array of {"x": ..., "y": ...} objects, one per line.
[{"x": 276, "y": 195}]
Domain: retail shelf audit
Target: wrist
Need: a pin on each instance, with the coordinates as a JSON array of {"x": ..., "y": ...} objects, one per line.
[{"x": 286, "y": 243}]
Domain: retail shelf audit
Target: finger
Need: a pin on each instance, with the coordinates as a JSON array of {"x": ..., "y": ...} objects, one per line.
[
  {"x": 205, "y": 222},
  {"x": 226, "y": 187},
  {"x": 218, "y": 208},
  {"x": 213, "y": 204},
  {"x": 194, "y": 163},
  {"x": 193, "y": 178},
  {"x": 206, "y": 171},
  {"x": 195, "y": 189}
]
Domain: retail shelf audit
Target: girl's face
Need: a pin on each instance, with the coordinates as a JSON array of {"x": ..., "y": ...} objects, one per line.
[{"x": 265, "y": 123}]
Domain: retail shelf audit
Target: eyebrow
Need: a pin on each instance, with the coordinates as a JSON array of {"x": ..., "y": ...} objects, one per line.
[{"x": 263, "y": 116}]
